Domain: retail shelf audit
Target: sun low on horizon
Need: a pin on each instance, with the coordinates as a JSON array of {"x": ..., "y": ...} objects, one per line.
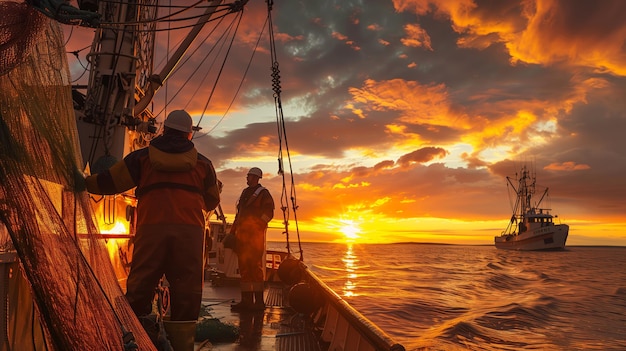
[{"x": 350, "y": 229}]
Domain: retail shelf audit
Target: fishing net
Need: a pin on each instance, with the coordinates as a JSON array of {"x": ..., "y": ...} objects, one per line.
[{"x": 44, "y": 208}]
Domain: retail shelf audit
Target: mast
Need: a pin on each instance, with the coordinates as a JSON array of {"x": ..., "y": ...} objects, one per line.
[
  {"x": 525, "y": 193},
  {"x": 121, "y": 54},
  {"x": 114, "y": 119},
  {"x": 157, "y": 80}
]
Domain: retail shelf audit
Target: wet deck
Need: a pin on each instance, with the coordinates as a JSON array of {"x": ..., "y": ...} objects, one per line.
[{"x": 279, "y": 327}]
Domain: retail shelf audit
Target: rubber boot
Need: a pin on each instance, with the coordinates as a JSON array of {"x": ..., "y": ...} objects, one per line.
[
  {"x": 259, "y": 304},
  {"x": 245, "y": 303},
  {"x": 182, "y": 334}
]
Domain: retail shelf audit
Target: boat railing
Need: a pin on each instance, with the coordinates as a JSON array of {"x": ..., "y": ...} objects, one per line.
[{"x": 376, "y": 336}]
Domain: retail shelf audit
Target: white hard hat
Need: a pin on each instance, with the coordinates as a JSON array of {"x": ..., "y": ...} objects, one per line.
[
  {"x": 256, "y": 171},
  {"x": 179, "y": 120}
]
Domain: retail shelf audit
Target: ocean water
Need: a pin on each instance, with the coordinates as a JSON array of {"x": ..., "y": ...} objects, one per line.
[{"x": 451, "y": 297}]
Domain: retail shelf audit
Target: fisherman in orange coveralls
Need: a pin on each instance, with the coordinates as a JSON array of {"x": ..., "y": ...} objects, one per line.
[
  {"x": 255, "y": 209},
  {"x": 175, "y": 184}
]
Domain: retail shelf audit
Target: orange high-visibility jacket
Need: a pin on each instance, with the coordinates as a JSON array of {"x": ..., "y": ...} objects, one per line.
[{"x": 174, "y": 182}]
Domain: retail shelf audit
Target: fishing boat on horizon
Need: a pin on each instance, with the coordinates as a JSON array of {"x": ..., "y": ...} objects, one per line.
[
  {"x": 531, "y": 227},
  {"x": 64, "y": 273}
]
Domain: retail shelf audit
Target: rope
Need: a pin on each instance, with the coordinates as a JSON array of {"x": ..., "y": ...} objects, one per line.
[
  {"x": 201, "y": 65},
  {"x": 245, "y": 74},
  {"x": 219, "y": 74},
  {"x": 282, "y": 136}
]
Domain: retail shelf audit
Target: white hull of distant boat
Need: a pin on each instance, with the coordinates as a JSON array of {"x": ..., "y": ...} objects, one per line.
[
  {"x": 546, "y": 238},
  {"x": 531, "y": 227}
]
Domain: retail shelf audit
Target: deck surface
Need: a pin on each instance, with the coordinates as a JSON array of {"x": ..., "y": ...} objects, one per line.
[{"x": 277, "y": 328}]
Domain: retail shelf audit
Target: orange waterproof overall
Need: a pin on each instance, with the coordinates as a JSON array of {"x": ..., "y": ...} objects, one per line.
[
  {"x": 254, "y": 210},
  {"x": 174, "y": 185}
]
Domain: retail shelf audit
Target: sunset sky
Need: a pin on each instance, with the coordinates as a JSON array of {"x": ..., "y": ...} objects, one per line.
[{"x": 404, "y": 117}]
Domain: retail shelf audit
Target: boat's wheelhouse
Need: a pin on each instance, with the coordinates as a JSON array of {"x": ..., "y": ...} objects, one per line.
[{"x": 536, "y": 218}]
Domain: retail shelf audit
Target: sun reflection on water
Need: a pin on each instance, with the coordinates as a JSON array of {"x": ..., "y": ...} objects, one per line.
[{"x": 350, "y": 261}]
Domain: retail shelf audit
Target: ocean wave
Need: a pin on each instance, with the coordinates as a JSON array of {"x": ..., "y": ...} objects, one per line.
[{"x": 449, "y": 298}]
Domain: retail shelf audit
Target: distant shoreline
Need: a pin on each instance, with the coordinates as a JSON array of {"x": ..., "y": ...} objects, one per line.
[{"x": 447, "y": 244}]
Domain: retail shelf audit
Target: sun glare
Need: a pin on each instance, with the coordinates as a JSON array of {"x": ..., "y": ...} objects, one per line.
[{"x": 350, "y": 229}]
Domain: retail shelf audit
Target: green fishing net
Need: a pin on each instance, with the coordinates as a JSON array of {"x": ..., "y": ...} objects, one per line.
[{"x": 213, "y": 329}]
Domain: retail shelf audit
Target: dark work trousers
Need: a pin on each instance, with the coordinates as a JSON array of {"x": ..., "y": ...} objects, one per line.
[{"x": 175, "y": 250}]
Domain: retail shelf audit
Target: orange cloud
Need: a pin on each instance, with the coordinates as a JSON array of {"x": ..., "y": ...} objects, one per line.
[
  {"x": 566, "y": 166},
  {"x": 507, "y": 130},
  {"x": 416, "y": 103},
  {"x": 339, "y": 36},
  {"x": 583, "y": 33},
  {"x": 590, "y": 34},
  {"x": 416, "y": 37},
  {"x": 285, "y": 38},
  {"x": 345, "y": 39}
]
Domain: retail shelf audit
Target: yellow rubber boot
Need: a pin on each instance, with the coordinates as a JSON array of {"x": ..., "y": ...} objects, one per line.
[{"x": 181, "y": 334}]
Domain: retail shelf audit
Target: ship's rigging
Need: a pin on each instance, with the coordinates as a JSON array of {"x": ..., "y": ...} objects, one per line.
[
  {"x": 524, "y": 196},
  {"x": 140, "y": 120}
]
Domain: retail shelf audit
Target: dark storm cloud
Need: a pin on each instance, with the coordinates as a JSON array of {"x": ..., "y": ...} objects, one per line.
[
  {"x": 489, "y": 91},
  {"x": 442, "y": 98}
]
